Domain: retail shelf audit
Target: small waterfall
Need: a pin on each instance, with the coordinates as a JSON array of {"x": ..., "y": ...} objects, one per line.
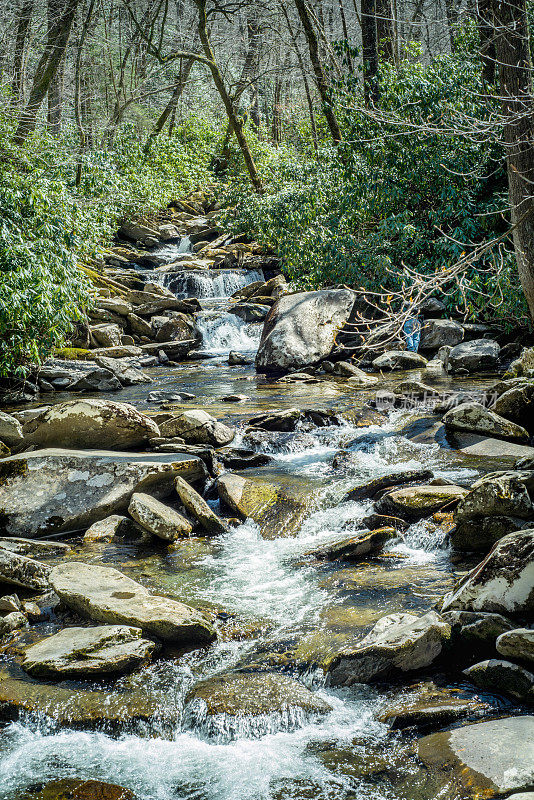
[
  {"x": 209, "y": 284},
  {"x": 222, "y": 332}
]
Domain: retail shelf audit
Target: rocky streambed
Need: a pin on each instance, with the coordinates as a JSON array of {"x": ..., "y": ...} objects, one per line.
[{"x": 290, "y": 579}]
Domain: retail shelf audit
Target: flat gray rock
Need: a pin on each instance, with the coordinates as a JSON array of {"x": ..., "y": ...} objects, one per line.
[
  {"x": 84, "y": 652},
  {"x": 20, "y": 571},
  {"x": 157, "y": 518},
  {"x": 106, "y": 595},
  {"x": 50, "y": 491}
]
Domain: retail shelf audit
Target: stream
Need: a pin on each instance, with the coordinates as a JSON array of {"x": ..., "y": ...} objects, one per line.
[{"x": 286, "y": 612}]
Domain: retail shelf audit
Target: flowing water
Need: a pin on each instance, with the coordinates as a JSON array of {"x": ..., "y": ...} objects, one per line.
[{"x": 286, "y": 613}]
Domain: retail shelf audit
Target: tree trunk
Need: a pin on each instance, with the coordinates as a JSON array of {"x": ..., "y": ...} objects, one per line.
[
  {"x": 515, "y": 74},
  {"x": 181, "y": 82},
  {"x": 384, "y": 29},
  {"x": 77, "y": 92},
  {"x": 345, "y": 32},
  {"x": 225, "y": 97},
  {"x": 486, "y": 34},
  {"x": 23, "y": 26},
  {"x": 370, "y": 52},
  {"x": 45, "y": 72},
  {"x": 55, "y": 9}
]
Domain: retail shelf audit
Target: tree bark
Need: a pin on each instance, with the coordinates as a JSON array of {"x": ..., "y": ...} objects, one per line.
[
  {"x": 370, "y": 52},
  {"x": 512, "y": 51},
  {"x": 384, "y": 29},
  {"x": 25, "y": 14},
  {"x": 55, "y": 9},
  {"x": 181, "y": 82},
  {"x": 486, "y": 32},
  {"x": 45, "y": 72},
  {"x": 218, "y": 80},
  {"x": 322, "y": 85}
]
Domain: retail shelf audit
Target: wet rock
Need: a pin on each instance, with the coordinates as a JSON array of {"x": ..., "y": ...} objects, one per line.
[
  {"x": 485, "y": 447},
  {"x": 437, "y": 333},
  {"x": 502, "y": 582},
  {"x": 498, "y": 494},
  {"x": 9, "y": 603},
  {"x": 240, "y": 458},
  {"x": 489, "y": 759},
  {"x": 375, "y": 521},
  {"x": 236, "y": 359},
  {"x": 33, "y": 549},
  {"x": 90, "y": 424},
  {"x": 398, "y": 644},
  {"x": 22, "y": 571},
  {"x": 517, "y": 405},
  {"x": 415, "y": 502},
  {"x": 12, "y": 622},
  {"x": 478, "y": 535},
  {"x": 373, "y": 487},
  {"x": 300, "y": 329},
  {"x": 503, "y": 677},
  {"x": 198, "y": 427},
  {"x": 157, "y": 518},
  {"x": 476, "y": 630},
  {"x": 274, "y": 509},
  {"x": 105, "y": 530},
  {"x": 523, "y": 367},
  {"x": 474, "y": 418},
  {"x": 198, "y": 508},
  {"x": 354, "y": 548},
  {"x": 10, "y": 430},
  {"x": 106, "y": 595},
  {"x": 517, "y": 644},
  {"x": 250, "y": 312},
  {"x": 431, "y": 707},
  {"x": 79, "y": 789},
  {"x": 347, "y": 370},
  {"x": 286, "y": 419},
  {"x": 50, "y": 491},
  {"x": 399, "y": 360},
  {"x": 249, "y": 695},
  {"x": 85, "y": 652},
  {"x": 479, "y": 355}
]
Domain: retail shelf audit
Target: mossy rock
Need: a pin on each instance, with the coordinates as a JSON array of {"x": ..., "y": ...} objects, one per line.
[
  {"x": 73, "y": 354},
  {"x": 77, "y": 789}
]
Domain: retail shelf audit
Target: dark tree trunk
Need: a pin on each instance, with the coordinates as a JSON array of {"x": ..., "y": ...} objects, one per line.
[
  {"x": 384, "y": 29},
  {"x": 486, "y": 32},
  {"x": 370, "y": 51},
  {"x": 55, "y": 10},
  {"x": 180, "y": 85},
  {"x": 515, "y": 76},
  {"x": 23, "y": 26},
  {"x": 320, "y": 78}
]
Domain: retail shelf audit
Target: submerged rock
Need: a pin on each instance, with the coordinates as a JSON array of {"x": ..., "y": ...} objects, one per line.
[
  {"x": 157, "y": 518},
  {"x": 431, "y": 707},
  {"x": 398, "y": 643},
  {"x": 276, "y": 511},
  {"x": 78, "y": 789},
  {"x": 300, "y": 329},
  {"x": 502, "y": 582},
  {"x": 85, "y": 652},
  {"x": 90, "y": 424},
  {"x": 355, "y": 547},
  {"x": 49, "y": 491},
  {"x": 474, "y": 418},
  {"x": 487, "y": 759},
  {"x": 106, "y": 595}
]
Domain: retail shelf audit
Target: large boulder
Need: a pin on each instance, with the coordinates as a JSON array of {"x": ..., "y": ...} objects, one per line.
[
  {"x": 18, "y": 570},
  {"x": 90, "y": 424},
  {"x": 487, "y": 759},
  {"x": 474, "y": 418},
  {"x": 502, "y": 582},
  {"x": 517, "y": 404},
  {"x": 399, "y": 360},
  {"x": 503, "y": 677},
  {"x": 301, "y": 328},
  {"x": 198, "y": 427},
  {"x": 10, "y": 430},
  {"x": 498, "y": 494},
  {"x": 84, "y": 652},
  {"x": 157, "y": 518},
  {"x": 273, "y": 508},
  {"x": 398, "y": 644},
  {"x": 479, "y": 355},
  {"x": 415, "y": 502},
  {"x": 50, "y": 491},
  {"x": 438, "y": 333},
  {"x": 107, "y": 335},
  {"x": 106, "y": 595}
]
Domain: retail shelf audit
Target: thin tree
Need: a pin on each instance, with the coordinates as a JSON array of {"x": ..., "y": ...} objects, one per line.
[{"x": 24, "y": 17}]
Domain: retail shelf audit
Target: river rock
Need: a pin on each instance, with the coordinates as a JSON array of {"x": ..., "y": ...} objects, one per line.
[
  {"x": 503, "y": 677},
  {"x": 198, "y": 508},
  {"x": 437, "y": 333},
  {"x": 123, "y": 370},
  {"x": 517, "y": 405},
  {"x": 250, "y": 312},
  {"x": 286, "y": 419},
  {"x": 470, "y": 444},
  {"x": 356, "y": 547},
  {"x": 13, "y": 621},
  {"x": 79, "y": 789},
  {"x": 517, "y": 644},
  {"x": 85, "y": 652},
  {"x": 479, "y": 355},
  {"x": 523, "y": 367},
  {"x": 237, "y": 696},
  {"x": 399, "y": 360},
  {"x": 415, "y": 502},
  {"x": 106, "y": 595},
  {"x": 236, "y": 359},
  {"x": 428, "y": 706},
  {"x": 34, "y": 549},
  {"x": 90, "y": 424},
  {"x": 21, "y": 571},
  {"x": 157, "y": 518},
  {"x": 300, "y": 329},
  {"x": 498, "y": 494},
  {"x": 502, "y": 582},
  {"x": 487, "y": 759},
  {"x": 275, "y": 510},
  {"x": 398, "y": 644},
  {"x": 105, "y": 530},
  {"x": 198, "y": 427},
  {"x": 480, "y": 533},
  {"x": 474, "y": 418},
  {"x": 373, "y": 487},
  {"x": 107, "y": 335},
  {"x": 179, "y": 328},
  {"x": 10, "y": 430},
  {"x": 50, "y": 491}
]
